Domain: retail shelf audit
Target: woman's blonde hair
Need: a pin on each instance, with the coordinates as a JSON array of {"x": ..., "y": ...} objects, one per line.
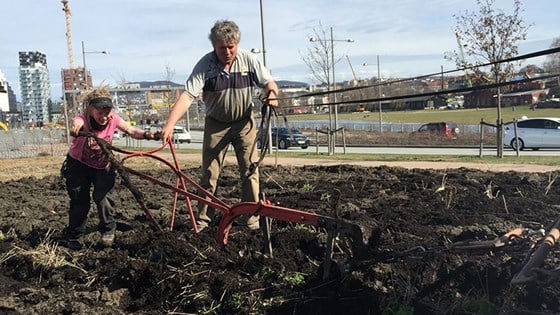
[{"x": 88, "y": 95}]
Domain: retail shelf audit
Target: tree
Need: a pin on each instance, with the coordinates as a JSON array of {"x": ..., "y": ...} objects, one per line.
[
  {"x": 552, "y": 63},
  {"x": 170, "y": 97},
  {"x": 123, "y": 100},
  {"x": 489, "y": 36},
  {"x": 317, "y": 57},
  {"x": 320, "y": 59}
]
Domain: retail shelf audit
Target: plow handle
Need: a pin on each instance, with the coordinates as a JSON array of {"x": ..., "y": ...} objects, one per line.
[{"x": 537, "y": 259}]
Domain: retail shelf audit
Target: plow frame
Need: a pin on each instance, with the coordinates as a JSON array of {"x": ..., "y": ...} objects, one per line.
[{"x": 334, "y": 226}]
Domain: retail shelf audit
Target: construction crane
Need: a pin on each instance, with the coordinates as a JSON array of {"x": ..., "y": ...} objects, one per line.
[
  {"x": 361, "y": 107},
  {"x": 352, "y": 68},
  {"x": 68, "y": 15},
  {"x": 463, "y": 61},
  {"x": 71, "y": 101}
]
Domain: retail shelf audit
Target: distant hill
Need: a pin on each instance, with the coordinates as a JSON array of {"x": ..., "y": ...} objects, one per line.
[
  {"x": 147, "y": 84},
  {"x": 291, "y": 84}
]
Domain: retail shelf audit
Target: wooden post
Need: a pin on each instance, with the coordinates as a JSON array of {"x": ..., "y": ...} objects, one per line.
[{"x": 481, "y": 130}]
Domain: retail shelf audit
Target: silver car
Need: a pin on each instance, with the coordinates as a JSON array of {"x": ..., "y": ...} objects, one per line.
[
  {"x": 180, "y": 135},
  {"x": 533, "y": 133}
]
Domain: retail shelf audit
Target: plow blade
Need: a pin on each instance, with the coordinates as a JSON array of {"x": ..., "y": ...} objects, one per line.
[{"x": 344, "y": 229}]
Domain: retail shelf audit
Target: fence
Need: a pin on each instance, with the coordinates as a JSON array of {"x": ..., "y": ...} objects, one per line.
[
  {"x": 20, "y": 143},
  {"x": 375, "y": 126}
]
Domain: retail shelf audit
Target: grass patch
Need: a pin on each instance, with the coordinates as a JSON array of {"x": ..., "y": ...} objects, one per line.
[
  {"x": 525, "y": 160},
  {"x": 487, "y": 159}
]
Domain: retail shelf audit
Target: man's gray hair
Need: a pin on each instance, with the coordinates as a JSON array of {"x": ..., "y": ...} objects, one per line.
[{"x": 226, "y": 31}]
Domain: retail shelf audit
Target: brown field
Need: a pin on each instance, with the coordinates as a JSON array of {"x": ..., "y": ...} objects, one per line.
[{"x": 412, "y": 215}]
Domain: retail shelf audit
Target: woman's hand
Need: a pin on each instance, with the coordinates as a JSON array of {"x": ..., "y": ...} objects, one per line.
[{"x": 76, "y": 127}]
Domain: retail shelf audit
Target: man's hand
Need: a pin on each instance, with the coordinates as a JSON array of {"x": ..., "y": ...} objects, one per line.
[
  {"x": 166, "y": 133},
  {"x": 271, "y": 102},
  {"x": 271, "y": 98}
]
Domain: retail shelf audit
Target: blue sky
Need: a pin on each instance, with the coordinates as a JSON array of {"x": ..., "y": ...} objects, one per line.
[{"x": 144, "y": 37}]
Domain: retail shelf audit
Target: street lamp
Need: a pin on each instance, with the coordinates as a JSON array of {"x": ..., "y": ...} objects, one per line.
[
  {"x": 379, "y": 94},
  {"x": 84, "y": 52},
  {"x": 262, "y": 33},
  {"x": 335, "y": 129}
]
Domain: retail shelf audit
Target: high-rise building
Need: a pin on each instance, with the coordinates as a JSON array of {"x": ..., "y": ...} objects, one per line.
[
  {"x": 4, "y": 100},
  {"x": 12, "y": 100},
  {"x": 73, "y": 82},
  {"x": 35, "y": 87}
]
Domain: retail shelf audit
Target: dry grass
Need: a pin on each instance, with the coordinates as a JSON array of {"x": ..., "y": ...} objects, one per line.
[
  {"x": 41, "y": 166},
  {"x": 46, "y": 256},
  {"x": 12, "y": 169}
]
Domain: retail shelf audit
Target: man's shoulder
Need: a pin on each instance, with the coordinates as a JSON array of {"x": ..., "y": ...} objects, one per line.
[
  {"x": 246, "y": 56},
  {"x": 207, "y": 63}
]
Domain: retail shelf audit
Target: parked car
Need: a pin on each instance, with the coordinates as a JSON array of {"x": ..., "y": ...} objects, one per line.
[
  {"x": 181, "y": 135},
  {"x": 533, "y": 133},
  {"x": 447, "y": 129},
  {"x": 286, "y": 139}
]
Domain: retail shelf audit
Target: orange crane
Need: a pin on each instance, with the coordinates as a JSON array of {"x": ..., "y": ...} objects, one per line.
[
  {"x": 463, "y": 62},
  {"x": 67, "y": 15},
  {"x": 71, "y": 100},
  {"x": 361, "y": 107}
]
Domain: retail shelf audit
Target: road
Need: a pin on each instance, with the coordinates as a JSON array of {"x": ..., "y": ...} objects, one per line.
[
  {"x": 364, "y": 150},
  {"x": 197, "y": 144}
]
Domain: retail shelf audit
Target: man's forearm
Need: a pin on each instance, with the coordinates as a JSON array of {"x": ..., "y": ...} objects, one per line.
[{"x": 179, "y": 108}]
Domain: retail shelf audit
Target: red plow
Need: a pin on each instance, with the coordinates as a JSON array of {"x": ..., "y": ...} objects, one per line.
[{"x": 187, "y": 188}]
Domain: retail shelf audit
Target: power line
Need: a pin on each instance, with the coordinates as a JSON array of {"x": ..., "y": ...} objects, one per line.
[{"x": 521, "y": 57}]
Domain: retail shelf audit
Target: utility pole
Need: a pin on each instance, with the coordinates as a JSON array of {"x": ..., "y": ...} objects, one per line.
[{"x": 379, "y": 92}]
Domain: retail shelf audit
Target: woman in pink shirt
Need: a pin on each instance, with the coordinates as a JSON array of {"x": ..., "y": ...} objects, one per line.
[{"x": 86, "y": 165}]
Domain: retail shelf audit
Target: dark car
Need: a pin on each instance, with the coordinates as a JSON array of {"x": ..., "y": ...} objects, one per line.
[
  {"x": 447, "y": 129},
  {"x": 287, "y": 138}
]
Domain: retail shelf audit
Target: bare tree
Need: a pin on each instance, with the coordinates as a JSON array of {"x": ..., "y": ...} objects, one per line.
[
  {"x": 123, "y": 99},
  {"x": 170, "y": 97},
  {"x": 489, "y": 36},
  {"x": 317, "y": 57},
  {"x": 552, "y": 63},
  {"x": 320, "y": 59}
]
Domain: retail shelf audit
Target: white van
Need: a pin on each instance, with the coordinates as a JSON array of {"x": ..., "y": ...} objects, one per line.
[
  {"x": 533, "y": 133},
  {"x": 181, "y": 135}
]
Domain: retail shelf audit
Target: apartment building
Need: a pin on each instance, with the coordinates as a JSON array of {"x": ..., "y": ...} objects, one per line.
[
  {"x": 4, "y": 100},
  {"x": 35, "y": 87}
]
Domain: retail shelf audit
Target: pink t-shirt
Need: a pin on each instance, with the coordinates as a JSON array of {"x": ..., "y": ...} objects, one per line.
[{"x": 86, "y": 150}]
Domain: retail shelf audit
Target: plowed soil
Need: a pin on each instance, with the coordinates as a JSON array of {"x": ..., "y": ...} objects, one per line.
[{"x": 413, "y": 217}]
